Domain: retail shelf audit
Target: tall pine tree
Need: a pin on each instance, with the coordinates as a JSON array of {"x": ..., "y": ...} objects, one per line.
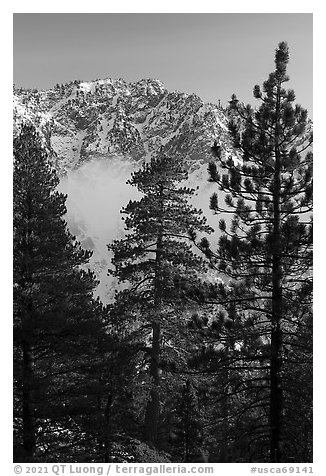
[
  {"x": 267, "y": 250},
  {"x": 157, "y": 260},
  {"x": 56, "y": 321}
]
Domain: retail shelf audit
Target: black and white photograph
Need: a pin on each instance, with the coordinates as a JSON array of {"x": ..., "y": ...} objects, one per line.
[{"x": 162, "y": 238}]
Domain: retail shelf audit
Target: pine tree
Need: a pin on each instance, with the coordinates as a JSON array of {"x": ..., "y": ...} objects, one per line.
[
  {"x": 56, "y": 321},
  {"x": 157, "y": 260},
  {"x": 267, "y": 250}
]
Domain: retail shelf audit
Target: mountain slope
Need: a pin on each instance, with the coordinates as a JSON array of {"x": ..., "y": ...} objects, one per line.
[
  {"x": 111, "y": 117},
  {"x": 98, "y": 132}
]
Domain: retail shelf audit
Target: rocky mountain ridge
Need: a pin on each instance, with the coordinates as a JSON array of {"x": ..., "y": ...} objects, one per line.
[{"x": 106, "y": 118}]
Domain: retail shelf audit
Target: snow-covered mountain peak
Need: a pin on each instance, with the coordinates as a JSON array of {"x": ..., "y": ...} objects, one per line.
[{"x": 108, "y": 117}]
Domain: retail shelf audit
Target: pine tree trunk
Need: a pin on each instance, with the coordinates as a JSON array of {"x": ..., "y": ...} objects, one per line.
[
  {"x": 107, "y": 432},
  {"x": 153, "y": 406},
  {"x": 276, "y": 333},
  {"x": 223, "y": 445},
  {"x": 29, "y": 439},
  {"x": 275, "y": 374}
]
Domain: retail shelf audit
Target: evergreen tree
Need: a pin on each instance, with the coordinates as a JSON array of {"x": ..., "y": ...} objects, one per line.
[
  {"x": 267, "y": 250},
  {"x": 157, "y": 260},
  {"x": 56, "y": 321},
  {"x": 188, "y": 428}
]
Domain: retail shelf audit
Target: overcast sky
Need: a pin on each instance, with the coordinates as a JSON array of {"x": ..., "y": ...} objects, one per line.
[{"x": 210, "y": 54}]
